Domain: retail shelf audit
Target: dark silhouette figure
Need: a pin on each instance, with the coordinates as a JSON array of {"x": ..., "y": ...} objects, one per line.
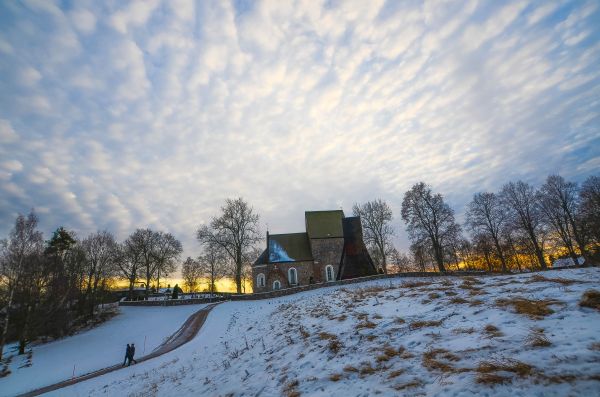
[
  {"x": 131, "y": 354},
  {"x": 176, "y": 291},
  {"x": 127, "y": 354}
]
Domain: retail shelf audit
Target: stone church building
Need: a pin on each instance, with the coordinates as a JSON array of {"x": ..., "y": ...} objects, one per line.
[{"x": 332, "y": 248}]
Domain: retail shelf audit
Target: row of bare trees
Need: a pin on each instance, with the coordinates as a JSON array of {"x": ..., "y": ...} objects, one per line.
[
  {"x": 50, "y": 287},
  {"x": 519, "y": 227}
]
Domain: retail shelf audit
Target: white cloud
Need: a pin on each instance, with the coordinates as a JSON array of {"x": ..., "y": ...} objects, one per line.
[
  {"x": 7, "y": 133},
  {"x": 83, "y": 20}
]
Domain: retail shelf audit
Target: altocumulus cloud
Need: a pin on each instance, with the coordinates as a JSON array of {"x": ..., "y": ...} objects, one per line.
[{"x": 123, "y": 114}]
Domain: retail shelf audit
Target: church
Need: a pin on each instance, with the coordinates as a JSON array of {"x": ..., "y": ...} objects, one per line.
[{"x": 332, "y": 248}]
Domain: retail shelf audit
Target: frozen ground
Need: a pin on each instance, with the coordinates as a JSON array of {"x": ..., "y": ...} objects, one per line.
[
  {"x": 97, "y": 348},
  {"x": 413, "y": 337}
]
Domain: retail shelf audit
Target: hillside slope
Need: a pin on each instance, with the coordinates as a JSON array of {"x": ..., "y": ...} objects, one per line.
[
  {"x": 93, "y": 349},
  {"x": 518, "y": 335}
]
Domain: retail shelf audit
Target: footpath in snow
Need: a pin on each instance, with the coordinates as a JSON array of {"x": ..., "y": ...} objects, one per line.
[
  {"x": 520, "y": 335},
  {"x": 100, "y": 347}
]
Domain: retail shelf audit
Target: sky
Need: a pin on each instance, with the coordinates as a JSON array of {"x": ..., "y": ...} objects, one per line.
[{"x": 124, "y": 114}]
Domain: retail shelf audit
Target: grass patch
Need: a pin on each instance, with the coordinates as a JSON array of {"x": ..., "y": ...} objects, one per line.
[
  {"x": 595, "y": 346},
  {"x": 335, "y": 377},
  {"x": 366, "y": 324},
  {"x": 492, "y": 331},
  {"x": 408, "y": 385},
  {"x": 395, "y": 373},
  {"x": 326, "y": 336},
  {"x": 535, "y": 309},
  {"x": 350, "y": 368},
  {"x": 458, "y": 300},
  {"x": 457, "y": 331},
  {"x": 590, "y": 298},
  {"x": 536, "y": 338},
  {"x": 451, "y": 293},
  {"x": 516, "y": 367},
  {"x": 434, "y": 295},
  {"x": 538, "y": 278},
  {"x": 440, "y": 360},
  {"x": 421, "y": 324},
  {"x": 413, "y": 284}
]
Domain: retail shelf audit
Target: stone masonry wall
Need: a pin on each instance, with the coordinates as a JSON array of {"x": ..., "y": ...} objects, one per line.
[{"x": 326, "y": 251}]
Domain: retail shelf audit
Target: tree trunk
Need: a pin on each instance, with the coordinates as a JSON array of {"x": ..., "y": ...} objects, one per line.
[
  {"x": 439, "y": 257},
  {"x": 6, "y": 320},
  {"x": 538, "y": 251},
  {"x": 500, "y": 255},
  {"x": 238, "y": 272}
]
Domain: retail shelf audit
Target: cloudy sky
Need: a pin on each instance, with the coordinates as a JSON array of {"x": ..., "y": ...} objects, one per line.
[{"x": 116, "y": 114}]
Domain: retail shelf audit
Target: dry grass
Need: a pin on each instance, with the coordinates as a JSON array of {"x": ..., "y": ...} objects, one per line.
[
  {"x": 399, "y": 320},
  {"x": 538, "y": 278},
  {"x": 395, "y": 373},
  {"x": 408, "y": 385},
  {"x": 458, "y": 300},
  {"x": 458, "y": 331},
  {"x": 366, "y": 369},
  {"x": 440, "y": 360},
  {"x": 536, "y": 338},
  {"x": 335, "y": 377},
  {"x": 350, "y": 368},
  {"x": 290, "y": 389},
  {"x": 595, "y": 346},
  {"x": 366, "y": 324},
  {"x": 535, "y": 309},
  {"x": 326, "y": 335},
  {"x": 421, "y": 324},
  {"x": 516, "y": 367},
  {"x": 413, "y": 284},
  {"x": 451, "y": 293},
  {"x": 492, "y": 331},
  {"x": 404, "y": 354},
  {"x": 434, "y": 295},
  {"x": 590, "y": 298},
  {"x": 491, "y": 379},
  {"x": 476, "y": 302}
]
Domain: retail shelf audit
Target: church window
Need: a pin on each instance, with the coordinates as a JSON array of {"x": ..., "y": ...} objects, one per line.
[
  {"x": 329, "y": 273},
  {"x": 293, "y": 276},
  {"x": 276, "y": 285},
  {"x": 260, "y": 280}
]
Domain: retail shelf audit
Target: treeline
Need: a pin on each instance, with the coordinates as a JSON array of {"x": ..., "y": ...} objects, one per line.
[
  {"x": 517, "y": 228},
  {"x": 51, "y": 287}
]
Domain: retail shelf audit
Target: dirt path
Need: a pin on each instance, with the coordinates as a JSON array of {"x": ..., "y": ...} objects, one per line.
[{"x": 184, "y": 334}]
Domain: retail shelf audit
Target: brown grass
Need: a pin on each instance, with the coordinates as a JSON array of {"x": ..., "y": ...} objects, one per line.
[
  {"x": 492, "y": 331},
  {"x": 326, "y": 335},
  {"x": 491, "y": 379},
  {"x": 536, "y": 338},
  {"x": 538, "y": 278},
  {"x": 476, "y": 302},
  {"x": 408, "y": 385},
  {"x": 367, "y": 369},
  {"x": 366, "y": 324},
  {"x": 594, "y": 346},
  {"x": 458, "y": 300},
  {"x": 590, "y": 298},
  {"x": 335, "y": 346},
  {"x": 420, "y": 324},
  {"x": 404, "y": 354},
  {"x": 413, "y": 284},
  {"x": 434, "y": 295},
  {"x": 399, "y": 320},
  {"x": 350, "y": 368},
  {"x": 335, "y": 377},
  {"x": 516, "y": 367},
  {"x": 535, "y": 309},
  {"x": 457, "y": 331},
  {"x": 395, "y": 374},
  {"x": 290, "y": 389},
  {"x": 439, "y": 360},
  {"x": 451, "y": 293}
]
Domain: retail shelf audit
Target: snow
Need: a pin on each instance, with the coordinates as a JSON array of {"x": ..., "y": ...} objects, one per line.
[
  {"x": 312, "y": 342},
  {"x": 94, "y": 349}
]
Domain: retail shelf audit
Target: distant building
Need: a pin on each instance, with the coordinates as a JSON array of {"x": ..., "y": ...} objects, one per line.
[{"x": 332, "y": 248}]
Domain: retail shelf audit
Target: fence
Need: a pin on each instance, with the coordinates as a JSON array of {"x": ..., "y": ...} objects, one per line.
[{"x": 294, "y": 290}]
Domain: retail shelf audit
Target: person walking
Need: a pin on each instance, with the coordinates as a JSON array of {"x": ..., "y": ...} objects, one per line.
[
  {"x": 131, "y": 354},
  {"x": 127, "y": 354}
]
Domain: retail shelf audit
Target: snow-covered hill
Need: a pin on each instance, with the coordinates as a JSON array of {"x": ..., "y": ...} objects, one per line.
[
  {"x": 522, "y": 335},
  {"x": 94, "y": 349}
]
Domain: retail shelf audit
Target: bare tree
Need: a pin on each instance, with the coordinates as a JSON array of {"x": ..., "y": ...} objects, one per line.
[
  {"x": 19, "y": 252},
  {"x": 486, "y": 215},
  {"x": 100, "y": 251},
  {"x": 191, "y": 272},
  {"x": 235, "y": 230},
  {"x": 213, "y": 264},
  {"x": 428, "y": 217},
  {"x": 525, "y": 214},
  {"x": 399, "y": 261},
  {"x": 166, "y": 254},
  {"x": 589, "y": 209},
  {"x": 129, "y": 261},
  {"x": 376, "y": 217}
]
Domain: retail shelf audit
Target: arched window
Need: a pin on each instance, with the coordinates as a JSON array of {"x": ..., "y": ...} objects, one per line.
[
  {"x": 329, "y": 273},
  {"x": 293, "y": 276},
  {"x": 276, "y": 285},
  {"x": 260, "y": 280}
]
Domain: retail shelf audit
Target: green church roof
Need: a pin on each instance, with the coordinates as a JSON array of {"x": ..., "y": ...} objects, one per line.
[
  {"x": 290, "y": 247},
  {"x": 324, "y": 224}
]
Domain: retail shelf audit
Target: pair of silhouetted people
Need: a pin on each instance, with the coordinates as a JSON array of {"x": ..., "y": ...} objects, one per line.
[{"x": 129, "y": 353}]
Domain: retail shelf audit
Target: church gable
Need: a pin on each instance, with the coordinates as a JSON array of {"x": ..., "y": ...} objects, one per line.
[
  {"x": 324, "y": 224},
  {"x": 291, "y": 247}
]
